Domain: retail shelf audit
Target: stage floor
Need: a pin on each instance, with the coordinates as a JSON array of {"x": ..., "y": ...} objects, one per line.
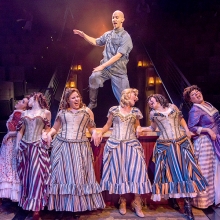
[{"x": 10, "y": 211}]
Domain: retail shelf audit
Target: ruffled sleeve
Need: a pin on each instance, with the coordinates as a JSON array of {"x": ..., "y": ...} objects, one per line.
[
  {"x": 47, "y": 123},
  {"x": 12, "y": 124},
  {"x": 180, "y": 114},
  {"x": 58, "y": 115},
  {"x": 16, "y": 117},
  {"x": 138, "y": 113},
  {"x": 194, "y": 119},
  {"x": 92, "y": 123},
  {"x": 152, "y": 115},
  {"x": 112, "y": 110},
  {"x": 20, "y": 123}
]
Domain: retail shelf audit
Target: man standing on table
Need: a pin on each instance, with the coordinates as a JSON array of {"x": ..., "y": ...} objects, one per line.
[{"x": 118, "y": 45}]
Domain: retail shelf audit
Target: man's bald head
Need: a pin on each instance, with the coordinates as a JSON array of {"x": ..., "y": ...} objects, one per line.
[
  {"x": 119, "y": 13},
  {"x": 117, "y": 19}
]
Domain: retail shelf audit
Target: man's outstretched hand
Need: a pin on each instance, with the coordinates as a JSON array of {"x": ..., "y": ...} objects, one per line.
[{"x": 80, "y": 33}]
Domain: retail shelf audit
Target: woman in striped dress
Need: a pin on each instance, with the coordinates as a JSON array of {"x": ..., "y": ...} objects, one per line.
[
  {"x": 204, "y": 121},
  {"x": 177, "y": 174},
  {"x": 33, "y": 157},
  {"x": 73, "y": 185},
  {"x": 124, "y": 167}
]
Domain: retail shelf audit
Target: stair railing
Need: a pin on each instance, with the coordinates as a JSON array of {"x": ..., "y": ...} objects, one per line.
[
  {"x": 52, "y": 88},
  {"x": 67, "y": 79},
  {"x": 172, "y": 78}
]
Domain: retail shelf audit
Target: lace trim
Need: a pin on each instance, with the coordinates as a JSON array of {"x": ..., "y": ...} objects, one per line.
[{"x": 210, "y": 111}]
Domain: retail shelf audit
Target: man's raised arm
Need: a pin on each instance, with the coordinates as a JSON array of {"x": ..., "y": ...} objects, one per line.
[{"x": 89, "y": 39}]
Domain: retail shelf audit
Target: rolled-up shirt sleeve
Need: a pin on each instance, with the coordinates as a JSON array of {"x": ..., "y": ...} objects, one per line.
[
  {"x": 125, "y": 44},
  {"x": 194, "y": 120},
  {"x": 101, "y": 41}
]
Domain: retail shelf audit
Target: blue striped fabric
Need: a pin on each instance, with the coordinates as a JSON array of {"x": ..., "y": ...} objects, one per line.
[
  {"x": 73, "y": 185},
  {"x": 176, "y": 171},
  {"x": 124, "y": 168}
]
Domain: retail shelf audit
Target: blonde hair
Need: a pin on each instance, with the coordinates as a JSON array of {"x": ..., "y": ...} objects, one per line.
[{"x": 125, "y": 96}]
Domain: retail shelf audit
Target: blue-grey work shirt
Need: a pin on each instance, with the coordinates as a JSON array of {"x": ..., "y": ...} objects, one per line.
[{"x": 116, "y": 41}]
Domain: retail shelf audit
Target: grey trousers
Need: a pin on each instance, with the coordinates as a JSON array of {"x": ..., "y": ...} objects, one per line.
[{"x": 119, "y": 81}]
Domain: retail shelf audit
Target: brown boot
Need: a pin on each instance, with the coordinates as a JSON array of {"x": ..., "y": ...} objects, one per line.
[
  {"x": 137, "y": 206},
  {"x": 122, "y": 206}
]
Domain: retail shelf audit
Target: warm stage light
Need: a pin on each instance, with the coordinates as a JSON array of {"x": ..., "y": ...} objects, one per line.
[
  {"x": 151, "y": 81},
  {"x": 158, "y": 80},
  {"x": 72, "y": 84},
  {"x": 79, "y": 67},
  {"x": 140, "y": 63}
]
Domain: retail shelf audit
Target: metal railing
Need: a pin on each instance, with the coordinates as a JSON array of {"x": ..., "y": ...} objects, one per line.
[
  {"x": 67, "y": 79},
  {"x": 52, "y": 88},
  {"x": 171, "y": 72},
  {"x": 172, "y": 78},
  {"x": 151, "y": 61}
]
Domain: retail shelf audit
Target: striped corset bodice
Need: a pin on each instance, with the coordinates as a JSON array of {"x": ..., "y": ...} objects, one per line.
[
  {"x": 74, "y": 125},
  {"x": 123, "y": 127},
  {"x": 169, "y": 125}
]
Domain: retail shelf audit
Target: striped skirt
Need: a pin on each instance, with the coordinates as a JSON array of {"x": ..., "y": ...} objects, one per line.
[
  {"x": 34, "y": 172},
  {"x": 176, "y": 172},
  {"x": 73, "y": 185},
  {"x": 204, "y": 154},
  {"x": 124, "y": 168}
]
